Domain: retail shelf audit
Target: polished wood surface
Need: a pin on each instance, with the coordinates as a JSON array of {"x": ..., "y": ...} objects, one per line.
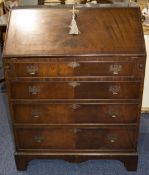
[
  {"x": 75, "y": 97},
  {"x": 90, "y": 68},
  {"x": 75, "y": 90},
  {"x": 118, "y": 31},
  {"x": 94, "y": 113},
  {"x": 76, "y": 138},
  {"x": 76, "y": 67}
]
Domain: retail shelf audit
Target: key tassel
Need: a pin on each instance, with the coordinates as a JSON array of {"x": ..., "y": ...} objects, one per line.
[{"x": 73, "y": 26}]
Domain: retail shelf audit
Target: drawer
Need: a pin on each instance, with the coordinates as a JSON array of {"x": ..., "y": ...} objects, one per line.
[
  {"x": 75, "y": 90},
  {"x": 75, "y": 113},
  {"x": 45, "y": 138},
  {"x": 76, "y": 138},
  {"x": 74, "y": 68},
  {"x": 106, "y": 138}
]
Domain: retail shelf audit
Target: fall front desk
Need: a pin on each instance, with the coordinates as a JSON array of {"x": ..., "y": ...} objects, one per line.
[{"x": 75, "y": 96}]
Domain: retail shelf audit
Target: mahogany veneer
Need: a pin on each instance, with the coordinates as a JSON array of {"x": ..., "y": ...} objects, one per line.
[{"x": 75, "y": 97}]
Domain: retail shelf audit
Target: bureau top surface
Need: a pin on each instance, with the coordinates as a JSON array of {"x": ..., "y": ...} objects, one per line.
[{"x": 45, "y": 32}]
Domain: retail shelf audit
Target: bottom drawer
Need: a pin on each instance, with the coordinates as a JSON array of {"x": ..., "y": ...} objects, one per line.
[{"x": 76, "y": 138}]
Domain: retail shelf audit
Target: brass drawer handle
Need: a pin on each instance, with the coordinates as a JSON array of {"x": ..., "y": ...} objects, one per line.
[
  {"x": 32, "y": 69},
  {"x": 113, "y": 112},
  {"x": 115, "y": 89},
  {"x": 74, "y": 84},
  {"x": 34, "y": 90},
  {"x": 73, "y": 64},
  {"x": 35, "y": 116},
  {"x": 114, "y": 116},
  {"x": 74, "y": 106},
  {"x": 35, "y": 113},
  {"x": 112, "y": 138},
  {"x": 115, "y": 69},
  {"x": 39, "y": 139}
]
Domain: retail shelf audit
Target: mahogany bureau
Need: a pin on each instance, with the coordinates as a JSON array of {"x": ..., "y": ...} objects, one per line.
[{"x": 75, "y": 97}]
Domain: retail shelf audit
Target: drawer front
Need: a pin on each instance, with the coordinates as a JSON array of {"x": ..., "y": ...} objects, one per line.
[
  {"x": 75, "y": 90},
  {"x": 75, "y": 113},
  {"x": 74, "y": 68},
  {"x": 76, "y": 138},
  {"x": 45, "y": 138},
  {"x": 106, "y": 138}
]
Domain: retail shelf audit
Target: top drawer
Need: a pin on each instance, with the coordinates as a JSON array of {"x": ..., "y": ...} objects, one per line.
[{"x": 73, "y": 68}]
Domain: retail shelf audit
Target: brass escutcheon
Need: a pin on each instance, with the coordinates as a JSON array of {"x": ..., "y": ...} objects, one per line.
[
  {"x": 39, "y": 139},
  {"x": 74, "y": 84},
  {"x": 74, "y": 106},
  {"x": 73, "y": 64}
]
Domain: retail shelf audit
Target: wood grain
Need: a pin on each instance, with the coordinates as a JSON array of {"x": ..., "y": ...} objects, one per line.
[
  {"x": 75, "y": 97},
  {"x": 118, "y": 31}
]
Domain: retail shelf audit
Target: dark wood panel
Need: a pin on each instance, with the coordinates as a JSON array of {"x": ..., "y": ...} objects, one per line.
[
  {"x": 117, "y": 31},
  {"x": 53, "y": 78},
  {"x": 75, "y": 113},
  {"x": 115, "y": 138},
  {"x": 45, "y": 138},
  {"x": 75, "y": 90},
  {"x": 76, "y": 138},
  {"x": 74, "y": 68}
]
